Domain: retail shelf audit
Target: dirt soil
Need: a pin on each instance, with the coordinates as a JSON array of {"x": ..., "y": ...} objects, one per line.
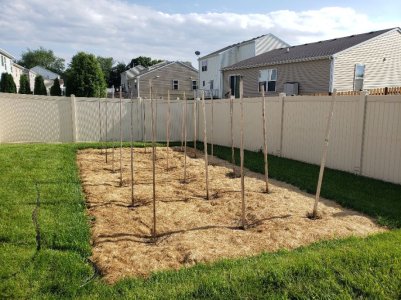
[{"x": 191, "y": 229}]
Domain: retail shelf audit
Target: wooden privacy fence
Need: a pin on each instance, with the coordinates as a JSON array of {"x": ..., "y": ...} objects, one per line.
[{"x": 366, "y": 132}]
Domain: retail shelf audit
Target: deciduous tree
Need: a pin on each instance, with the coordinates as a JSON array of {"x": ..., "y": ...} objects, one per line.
[{"x": 42, "y": 57}]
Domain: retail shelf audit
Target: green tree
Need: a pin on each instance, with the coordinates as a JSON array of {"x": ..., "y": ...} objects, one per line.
[
  {"x": 115, "y": 74},
  {"x": 7, "y": 84},
  {"x": 55, "y": 90},
  {"x": 24, "y": 85},
  {"x": 106, "y": 63},
  {"x": 42, "y": 57},
  {"x": 40, "y": 88},
  {"x": 143, "y": 61},
  {"x": 85, "y": 77}
]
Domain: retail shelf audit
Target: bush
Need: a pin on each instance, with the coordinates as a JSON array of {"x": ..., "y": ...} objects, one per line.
[
  {"x": 24, "y": 86},
  {"x": 40, "y": 88},
  {"x": 55, "y": 90},
  {"x": 7, "y": 84}
]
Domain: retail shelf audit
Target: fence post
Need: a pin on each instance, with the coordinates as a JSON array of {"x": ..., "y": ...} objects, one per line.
[
  {"x": 73, "y": 118},
  {"x": 360, "y": 132},
  {"x": 281, "y": 114}
]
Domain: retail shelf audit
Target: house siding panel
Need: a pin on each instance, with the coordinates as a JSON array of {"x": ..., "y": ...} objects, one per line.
[
  {"x": 382, "y": 58},
  {"x": 312, "y": 76},
  {"x": 268, "y": 43}
]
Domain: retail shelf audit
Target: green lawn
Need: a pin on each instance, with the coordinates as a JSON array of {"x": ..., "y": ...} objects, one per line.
[{"x": 351, "y": 268}]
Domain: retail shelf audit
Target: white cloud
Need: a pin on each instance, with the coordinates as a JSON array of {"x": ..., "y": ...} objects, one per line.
[{"x": 122, "y": 30}]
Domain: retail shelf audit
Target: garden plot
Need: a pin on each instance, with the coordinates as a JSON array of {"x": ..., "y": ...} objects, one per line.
[{"x": 191, "y": 229}]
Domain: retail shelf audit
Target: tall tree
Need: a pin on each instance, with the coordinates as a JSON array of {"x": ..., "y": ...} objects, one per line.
[
  {"x": 7, "y": 84},
  {"x": 24, "y": 85},
  {"x": 143, "y": 61},
  {"x": 55, "y": 90},
  {"x": 44, "y": 58},
  {"x": 115, "y": 74},
  {"x": 85, "y": 77},
  {"x": 40, "y": 88},
  {"x": 106, "y": 63}
]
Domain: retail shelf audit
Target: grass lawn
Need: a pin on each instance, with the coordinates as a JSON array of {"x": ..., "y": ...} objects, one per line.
[{"x": 350, "y": 268}]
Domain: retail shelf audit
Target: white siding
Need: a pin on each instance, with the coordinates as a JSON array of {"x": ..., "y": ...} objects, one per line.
[
  {"x": 268, "y": 43},
  {"x": 382, "y": 58}
]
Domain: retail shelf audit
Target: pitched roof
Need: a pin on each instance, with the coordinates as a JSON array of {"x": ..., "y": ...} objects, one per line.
[
  {"x": 239, "y": 44},
  {"x": 163, "y": 64},
  {"x": 310, "y": 51},
  {"x": 135, "y": 71},
  {"x": 4, "y": 52},
  {"x": 47, "y": 74}
]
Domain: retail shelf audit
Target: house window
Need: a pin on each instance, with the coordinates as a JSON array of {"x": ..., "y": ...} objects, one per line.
[
  {"x": 359, "y": 76},
  {"x": 267, "y": 80},
  {"x": 234, "y": 85},
  {"x": 175, "y": 84},
  {"x": 203, "y": 83},
  {"x": 194, "y": 85},
  {"x": 2, "y": 60},
  {"x": 204, "y": 65}
]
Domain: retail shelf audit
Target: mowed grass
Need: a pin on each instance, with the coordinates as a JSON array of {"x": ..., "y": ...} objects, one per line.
[{"x": 347, "y": 269}]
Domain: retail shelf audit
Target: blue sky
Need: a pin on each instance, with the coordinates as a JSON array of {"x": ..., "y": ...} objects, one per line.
[{"x": 174, "y": 29}]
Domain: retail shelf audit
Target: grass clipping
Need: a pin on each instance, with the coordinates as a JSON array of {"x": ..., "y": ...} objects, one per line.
[{"x": 191, "y": 229}]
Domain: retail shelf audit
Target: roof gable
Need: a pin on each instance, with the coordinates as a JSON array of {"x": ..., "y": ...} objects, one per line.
[{"x": 309, "y": 51}]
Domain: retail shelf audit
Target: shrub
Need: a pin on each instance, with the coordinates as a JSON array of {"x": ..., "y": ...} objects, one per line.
[
  {"x": 7, "y": 84},
  {"x": 40, "y": 88},
  {"x": 24, "y": 86},
  {"x": 55, "y": 90}
]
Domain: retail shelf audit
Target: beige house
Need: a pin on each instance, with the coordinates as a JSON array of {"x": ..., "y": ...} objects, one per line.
[
  {"x": 357, "y": 62},
  {"x": 176, "y": 77}
]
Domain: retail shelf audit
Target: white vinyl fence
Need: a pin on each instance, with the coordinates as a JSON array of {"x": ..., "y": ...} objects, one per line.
[{"x": 365, "y": 139}]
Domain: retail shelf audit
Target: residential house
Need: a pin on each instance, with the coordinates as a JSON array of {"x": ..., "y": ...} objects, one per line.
[
  {"x": 210, "y": 75},
  {"x": 17, "y": 72},
  {"x": 129, "y": 74},
  {"x": 174, "y": 76},
  {"x": 364, "y": 61},
  {"x": 48, "y": 77},
  {"x": 6, "y": 65}
]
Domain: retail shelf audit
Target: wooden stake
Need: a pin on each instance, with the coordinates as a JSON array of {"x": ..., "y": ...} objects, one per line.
[
  {"x": 205, "y": 146},
  {"x": 121, "y": 141},
  {"x": 211, "y": 136},
  {"x": 132, "y": 154},
  {"x": 144, "y": 123},
  {"x": 185, "y": 138},
  {"x": 243, "y": 218},
  {"x": 154, "y": 232},
  {"x": 265, "y": 141},
  {"x": 113, "y": 133},
  {"x": 195, "y": 131},
  {"x": 182, "y": 126},
  {"x": 168, "y": 126},
  {"x": 232, "y": 132},
  {"x": 324, "y": 155},
  {"x": 100, "y": 128},
  {"x": 106, "y": 147}
]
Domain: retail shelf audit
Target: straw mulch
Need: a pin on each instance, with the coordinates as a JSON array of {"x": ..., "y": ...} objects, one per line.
[{"x": 191, "y": 229}]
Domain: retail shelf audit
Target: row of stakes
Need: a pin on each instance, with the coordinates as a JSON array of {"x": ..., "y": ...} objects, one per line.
[{"x": 313, "y": 215}]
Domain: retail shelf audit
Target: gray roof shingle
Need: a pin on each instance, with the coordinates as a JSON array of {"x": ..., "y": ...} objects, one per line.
[{"x": 310, "y": 51}]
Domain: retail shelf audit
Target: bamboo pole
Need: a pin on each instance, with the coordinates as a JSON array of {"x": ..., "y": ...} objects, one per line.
[
  {"x": 132, "y": 154},
  {"x": 121, "y": 140},
  {"x": 195, "y": 131},
  {"x": 100, "y": 128},
  {"x": 185, "y": 137},
  {"x": 106, "y": 147},
  {"x": 113, "y": 134},
  {"x": 243, "y": 217},
  {"x": 314, "y": 214},
  {"x": 154, "y": 232},
  {"x": 144, "y": 123},
  {"x": 211, "y": 136},
  {"x": 168, "y": 127},
  {"x": 232, "y": 132},
  {"x": 205, "y": 146},
  {"x": 182, "y": 126},
  {"x": 265, "y": 141}
]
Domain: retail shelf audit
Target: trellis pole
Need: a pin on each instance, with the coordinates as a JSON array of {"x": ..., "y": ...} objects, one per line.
[
  {"x": 265, "y": 141},
  {"x": 168, "y": 127},
  {"x": 132, "y": 153},
  {"x": 144, "y": 123},
  {"x": 106, "y": 131},
  {"x": 243, "y": 217},
  {"x": 211, "y": 136},
  {"x": 121, "y": 141},
  {"x": 185, "y": 137},
  {"x": 113, "y": 133},
  {"x": 182, "y": 125},
  {"x": 205, "y": 146},
  {"x": 314, "y": 214}
]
